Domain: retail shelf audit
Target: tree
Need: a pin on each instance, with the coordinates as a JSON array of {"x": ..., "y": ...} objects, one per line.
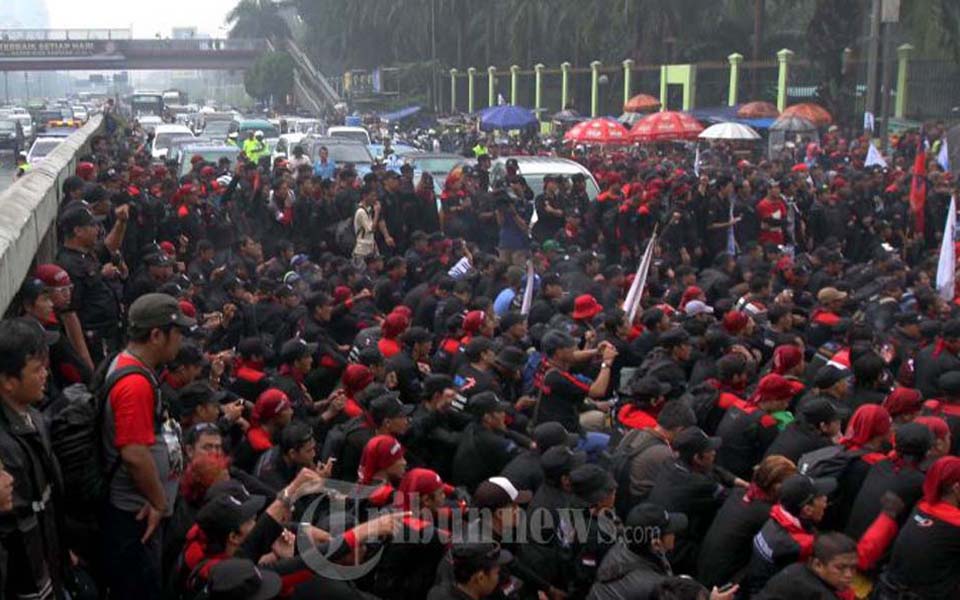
[
  {"x": 270, "y": 76},
  {"x": 256, "y": 19}
]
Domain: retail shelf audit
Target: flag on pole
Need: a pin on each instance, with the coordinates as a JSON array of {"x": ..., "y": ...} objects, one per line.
[
  {"x": 918, "y": 188},
  {"x": 947, "y": 265},
  {"x": 731, "y": 236},
  {"x": 696, "y": 162},
  {"x": 528, "y": 291},
  {"x": 632, "y": 303},
  {"x": 943, "y": 157},
  {"x": 874, "y": 157}
]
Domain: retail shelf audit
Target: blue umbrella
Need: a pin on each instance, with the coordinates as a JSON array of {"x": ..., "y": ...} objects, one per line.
[{"x": 507, "y": 118}]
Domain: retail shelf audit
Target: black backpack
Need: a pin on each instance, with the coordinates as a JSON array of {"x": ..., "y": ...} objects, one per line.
[
  {"x": 622, "y": 458},
  {"x": 829, "y": 461},
  {"x": 702, "y": 399},
  {"x": 345, "y": 236},
  {"x": 76, "y": 434}
]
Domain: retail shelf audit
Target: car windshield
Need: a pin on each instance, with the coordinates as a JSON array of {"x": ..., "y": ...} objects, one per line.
[
  {"x": 436, "y": 165},
  {"x": 43, "y": 147},
  {"x": 357, "y": 136},
  {"x": 269, "y": 131},
  {"x": 212, "y": 156},
  {"x": 163, "y": 139},
  {"x": 217, "y": 128},
  {"x": 349, "y": 153}
]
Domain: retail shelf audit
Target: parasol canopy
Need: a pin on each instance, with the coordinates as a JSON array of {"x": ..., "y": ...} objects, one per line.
[
  {"x": 758, "y": 110},
  {"x": 641, "y": 103},
  {"x": 792, "y": 123},
  {"x": 567, "y": 116},
  {"x": 598, "y": 131},
  {"x": 729, "y": 131},
  {"x": 814, "y": 113},
  {"x": 507, "y": 118},
  {"x": 666, "y": 126}
]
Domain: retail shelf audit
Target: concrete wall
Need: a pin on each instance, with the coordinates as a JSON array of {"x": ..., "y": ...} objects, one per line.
[{"x": 28, "y": 212}]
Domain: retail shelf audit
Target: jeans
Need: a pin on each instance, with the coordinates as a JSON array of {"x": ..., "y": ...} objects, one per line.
[
  {"x": 132, "y": 568},
  {"x": 593, "y": 443}
]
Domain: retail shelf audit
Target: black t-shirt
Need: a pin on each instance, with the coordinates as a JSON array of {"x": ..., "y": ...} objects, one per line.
[
  {"x": 93, "y": 300},
  {"x": 563, "y": 395}
]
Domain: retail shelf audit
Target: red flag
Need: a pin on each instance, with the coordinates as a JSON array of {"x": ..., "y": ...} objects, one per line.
[{"x": 918, "y": 188}]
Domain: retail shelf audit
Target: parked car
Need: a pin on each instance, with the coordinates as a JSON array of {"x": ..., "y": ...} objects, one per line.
[
  {"x": 342, "y": 151},
  {"x": 211, "y": 153},
  {"x": 534, "y": 168},
  {"x": 163, "y": 134},
  {"x": 285, "y": 145},
  {"x": 11, "y": 135},
  {"x": 358, "y": 134},
  {"x": 438, "y": 164},
  {"x": 42, "y": 146}
]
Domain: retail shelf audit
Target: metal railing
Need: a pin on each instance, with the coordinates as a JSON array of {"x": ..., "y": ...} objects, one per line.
[{"x": 66, "y": 34}]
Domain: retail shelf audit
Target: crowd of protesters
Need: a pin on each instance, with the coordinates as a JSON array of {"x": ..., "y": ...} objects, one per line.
[{"x": 281, "y": 380}]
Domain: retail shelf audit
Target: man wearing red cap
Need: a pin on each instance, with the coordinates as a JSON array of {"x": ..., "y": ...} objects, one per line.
[
  {"x": 748, "y": 430},
  {"x": 271, "y": 413},
  {"x": 924, "y": 559}
]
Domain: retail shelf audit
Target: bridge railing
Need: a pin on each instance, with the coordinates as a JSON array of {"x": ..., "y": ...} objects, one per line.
[
  {"x": 199, "y": 45},
  {"x": 66, "y": 34},
  {"x": 28, "y": 211}
]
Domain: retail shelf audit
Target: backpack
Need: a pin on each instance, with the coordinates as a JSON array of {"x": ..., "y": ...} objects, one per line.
[
  {"x": 702, "y": 400},
  {"x": 344, "y": 236},
  {"x": 336, "y": 441},
  {"x": 76, "y": 434},
  {"x": 622, "y": 459},
  {"x": 829, "y": 461}
]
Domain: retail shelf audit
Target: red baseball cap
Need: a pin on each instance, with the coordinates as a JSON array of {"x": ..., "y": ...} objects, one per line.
[
  {"x": 270, "y": 403},
  {"x": 86, "y": 170},
  {"x": 473, "y": 321},
  {"x": 52, "y": 275},
  {"x": 420, "y": 482},
  {"x": 188, "y": 309},
  {"x": 168, "y": 248},
  {"x": 734, "y": 321},
  {"x": 776, "y": 387},
  {"x": 586, "y": 307}
]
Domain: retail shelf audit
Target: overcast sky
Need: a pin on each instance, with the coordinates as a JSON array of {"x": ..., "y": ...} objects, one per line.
[{"x": 144, "y": 17}]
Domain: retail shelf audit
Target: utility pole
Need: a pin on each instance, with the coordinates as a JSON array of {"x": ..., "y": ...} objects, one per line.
[
  {"x": 889, "y": 18},
  {"x": 433, "y": 55},
  {"x": 6, "y": 87},
  {"x": 873, "y": 55}
]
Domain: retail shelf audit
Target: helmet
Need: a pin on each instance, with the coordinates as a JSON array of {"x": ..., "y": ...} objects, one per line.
[{"x": 258, "y": 134}]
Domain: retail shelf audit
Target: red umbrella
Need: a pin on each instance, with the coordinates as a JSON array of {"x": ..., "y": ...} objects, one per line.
[
  {"x": 598, "y": 131},
  {"x": 641, "y": 103},
  {"x": 814, "y": 113},
  {"x": 665, "y": 126},
  {"x": 758, "y": 110}
]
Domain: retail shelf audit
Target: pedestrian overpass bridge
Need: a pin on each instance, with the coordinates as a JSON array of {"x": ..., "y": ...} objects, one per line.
[{"x": 127, "y": 54}]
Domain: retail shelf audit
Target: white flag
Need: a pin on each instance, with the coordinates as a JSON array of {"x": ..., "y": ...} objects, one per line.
[
  {"x": 528, "y": 291},
  {"x": 868, "y": 121},
  {"x": 632, "y": 303},
  {"x": 874, "y": 157},
  {"x": 947, "y": 265},
  {"x": 943, "y": 157},
  {"x": 696, "y": 162}
]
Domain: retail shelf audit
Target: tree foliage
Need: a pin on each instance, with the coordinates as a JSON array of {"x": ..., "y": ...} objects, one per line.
[
  {"x": 256, "y": 19},
  {"x": 271, "y": 76}
]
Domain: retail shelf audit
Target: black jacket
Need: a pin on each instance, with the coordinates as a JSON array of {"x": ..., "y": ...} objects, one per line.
[
  {"x": 725, "y": 551},
  {"x": 903, "y": 479},
  {"x": 482, "y": 453},
  {"x": 929, "y": 365},
  {"x": 797, "y": 582},
  {"x": 30, "y": 533},
  {"x": 697, "y": 495},
  {"x": 927, "y": 551},
  {"x": 628, "y": 575},
  {"x": 797, "y": 439},
  {"x": 524, "y": 471},
  {"x": 746, "y": 434}
]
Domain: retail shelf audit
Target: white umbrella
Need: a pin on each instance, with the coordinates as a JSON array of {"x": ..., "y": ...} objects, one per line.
[
  {"x": 629, "y": 118},
  {"x": 729, "y": 131}
]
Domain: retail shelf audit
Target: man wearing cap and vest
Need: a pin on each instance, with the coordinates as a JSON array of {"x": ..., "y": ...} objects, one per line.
[{"x": 142, "y": 481}]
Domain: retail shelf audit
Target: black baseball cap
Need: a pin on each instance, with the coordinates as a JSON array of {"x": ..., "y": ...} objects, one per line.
[
  {"x": 370, "y": 356},
  {"x": 240, "y": 579},
  {"x": 225, "y": 514},
  {"x": 296, "y": 349},
  {"x": 592, "y": 483},
  {"x": 511, "y": 357},
  {"x": 675, "y": 337},
  {"x": 561, "y": 460},
  {"x": 157, "y": 310},
  {"x": 435, "y": 383},
  {"x": 550, "y": 434},
  {"x": 498, "y": 492},
  {"x": 799, "y": 490},
  {"x": 389, "y": 406},
  {"x": 656, "y": 519},
  {"x": 645, "y": 388},
  {"x": 196, "y": 394},
  {"x": 415, "y": 335},
  {"x": 828, "y": 376},
  {"x": 479, "y": 556},
  {"x": 75, "y": 217},
  {"x": 485, "y": 403},
  {"x": 250, "y": 347},
  {"x": 692, "y": 441},
  {"x": 476, "y": 347},
  {"x": 819, "y": 410}
]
